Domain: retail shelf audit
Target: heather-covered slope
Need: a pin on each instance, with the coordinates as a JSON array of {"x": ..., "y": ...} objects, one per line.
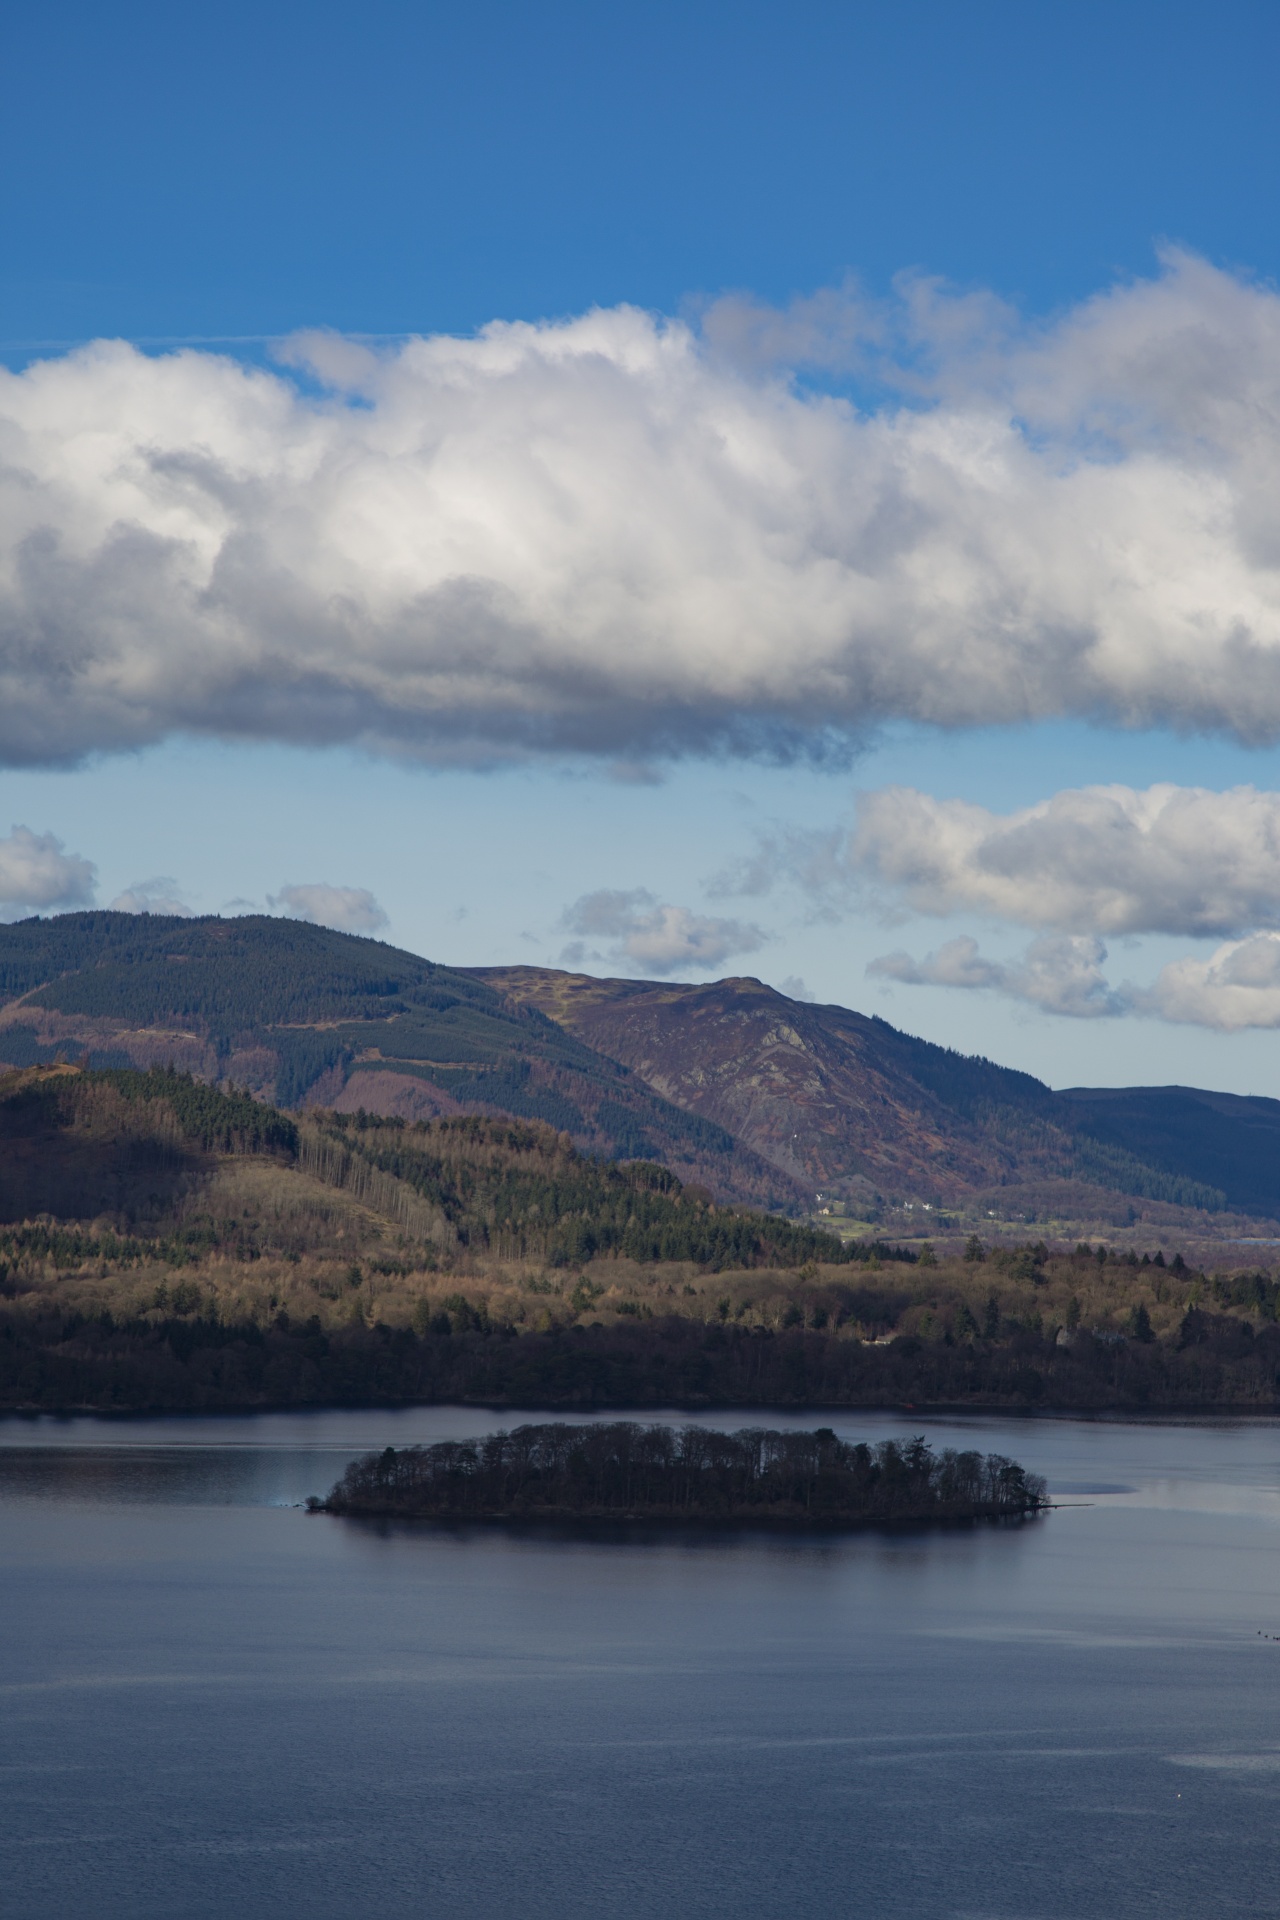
[
  {"x": 824, "y": 1093},
  {"x": 851, "y": 1107}
]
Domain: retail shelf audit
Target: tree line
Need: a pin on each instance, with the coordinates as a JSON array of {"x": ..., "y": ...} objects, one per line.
[{"x": 52, "y": 1359}]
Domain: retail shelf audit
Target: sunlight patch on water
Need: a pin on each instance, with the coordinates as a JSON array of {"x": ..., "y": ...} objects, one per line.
[{"x": 1267, "y": 1761}]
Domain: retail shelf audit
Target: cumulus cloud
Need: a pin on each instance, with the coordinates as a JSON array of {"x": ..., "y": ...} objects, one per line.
[
  {"x": 160, "y": 895},
  {"x": 634, "y": 537},
  {"x": 796, "y": 988},
  {"x": 37, "y": 872},
  {"x": 1111, "y": 859},
  {"x": 658, "y": 939},
  {"x": 1236, "y": 987},
  {"x": 348, "y": 909},
  {"x": 1059, "y": 973}
]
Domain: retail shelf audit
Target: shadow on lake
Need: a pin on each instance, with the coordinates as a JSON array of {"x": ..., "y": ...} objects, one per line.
[{"x": 544, "y": 1530}]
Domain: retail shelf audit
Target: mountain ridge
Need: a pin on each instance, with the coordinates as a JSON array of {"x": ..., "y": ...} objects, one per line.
[
  {"x": 766, "y": 1101},
  {"x": 302, "y": 1015},
  {"x": 848, "y": 1102}
]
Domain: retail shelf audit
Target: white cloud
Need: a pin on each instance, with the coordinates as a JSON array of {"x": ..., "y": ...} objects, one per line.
[
  {"x": 657, "y": 939},
  {"x": 796, "y": 988},
  {"x": 1110, "y": 859},
  {"x": 1059, "y": 973},
  {"x": 37, "y": 872},
  {"x": 1237, "y": 987},
  {"x": 628, "y": 537},
  {"x": 161, "y": 895},
  {"x": 348, "y": 909}
]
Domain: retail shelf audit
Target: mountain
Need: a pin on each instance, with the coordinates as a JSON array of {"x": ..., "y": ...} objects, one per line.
[
  {"x": 763, "y": 1100},
  {"x": 853, "y": 1109},
  {"x": 303, "y": 1016},
  {"x": 1231, "y": 1141},
  {"x": 825, "y": 1094}
]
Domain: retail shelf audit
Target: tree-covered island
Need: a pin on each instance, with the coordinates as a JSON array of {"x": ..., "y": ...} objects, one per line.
[{"x": 623, "y": 1470}]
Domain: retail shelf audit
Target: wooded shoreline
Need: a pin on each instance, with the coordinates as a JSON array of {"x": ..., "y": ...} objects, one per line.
[{"x": 64, "y": 1362}]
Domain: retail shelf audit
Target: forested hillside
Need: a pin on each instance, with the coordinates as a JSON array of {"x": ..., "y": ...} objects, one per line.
[
  {"x": 765, "y": 1101},
  {"x": 164, "y": 1243},
  {"x": 302, "y": 1015},
  {"x": 142, "y": 1154}
]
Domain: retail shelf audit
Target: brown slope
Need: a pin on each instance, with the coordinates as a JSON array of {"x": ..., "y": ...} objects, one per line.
[{"x": 823, "y": 1093}]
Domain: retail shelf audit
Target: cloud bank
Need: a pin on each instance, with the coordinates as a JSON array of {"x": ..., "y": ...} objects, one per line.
[
  {"x": 1112, "y": 860},
  {"x": 37, "y": 873},
  {"x": 655, "y": 938},
  {"x": 160, "y": 895},
  {"x": 347, "y": 909},
  {"x": 1059, "y": 973},
  {"x": 625, "y": 536},
  {"x": 1236, "y": 988}
]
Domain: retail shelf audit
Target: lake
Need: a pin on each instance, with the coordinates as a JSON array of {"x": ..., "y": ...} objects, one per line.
[{"x": 215, "y": 1704}]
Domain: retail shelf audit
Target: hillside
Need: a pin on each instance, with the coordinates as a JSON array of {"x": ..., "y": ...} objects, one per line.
[
  {"x": 764, "y": 1101},
  {"x": 846, "y": 1104},
  {"x": 164, "y": 1244},
  {"x": 303, "y": 1016},
  {"x": 1230, "y": 1141},
  {"x": 157, "y": 1154}
]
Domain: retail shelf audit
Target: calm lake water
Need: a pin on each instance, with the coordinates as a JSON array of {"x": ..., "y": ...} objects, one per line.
[{"x": 214, "y": 1704}]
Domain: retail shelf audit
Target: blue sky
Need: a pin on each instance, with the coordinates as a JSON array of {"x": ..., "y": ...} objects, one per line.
[{"x": 911, "y": 211}]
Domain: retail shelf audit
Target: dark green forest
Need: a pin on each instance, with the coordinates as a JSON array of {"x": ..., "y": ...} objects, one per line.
[
  {"x": 79, "y": 1144},
  {"x": 316, "y": 1001},
  {"x": 518, "y": 1190},
  {"x": 56, "y": 1360}
]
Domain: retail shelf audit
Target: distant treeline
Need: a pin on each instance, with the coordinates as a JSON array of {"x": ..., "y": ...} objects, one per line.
[
  {"x": 55, "y": 1360},
  {"x": 689, "y": 1473}
]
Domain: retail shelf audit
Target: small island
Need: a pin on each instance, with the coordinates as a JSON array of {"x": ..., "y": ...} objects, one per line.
[{"x": 622, "y": 1470}]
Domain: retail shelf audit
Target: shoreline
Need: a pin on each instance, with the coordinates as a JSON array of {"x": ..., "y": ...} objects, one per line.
[
  {"x": 924, "y": 1410},
  {"x": 747, "y": 1519}
]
